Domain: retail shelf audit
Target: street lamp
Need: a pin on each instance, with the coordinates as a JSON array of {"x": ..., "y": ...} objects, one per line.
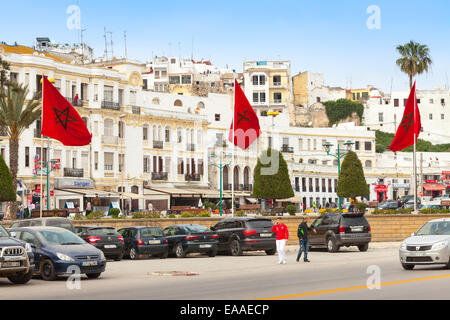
[
  {"x": 221, "y": 166},
  {"x": 273, "y": 114},
  {"x": 338, "y": 155}
]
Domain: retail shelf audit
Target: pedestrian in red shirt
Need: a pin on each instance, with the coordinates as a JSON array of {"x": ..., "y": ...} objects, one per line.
[{"x": 282, "y": 233}]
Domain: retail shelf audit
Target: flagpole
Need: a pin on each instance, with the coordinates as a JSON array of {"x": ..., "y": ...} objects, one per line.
[
  {"x": 414, "y": 153},
  {"x": 233, "y": 146},
  {"x": 42, "y": 146}
]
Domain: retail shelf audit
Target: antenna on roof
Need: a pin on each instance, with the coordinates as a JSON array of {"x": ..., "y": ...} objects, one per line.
[{"x": 125, "y": 39}]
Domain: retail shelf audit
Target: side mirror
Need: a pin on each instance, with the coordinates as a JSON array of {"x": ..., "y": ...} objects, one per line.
[{"x": 213, "y": 228}]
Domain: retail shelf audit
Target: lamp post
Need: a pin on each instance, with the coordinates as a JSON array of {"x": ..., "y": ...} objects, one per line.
[
  {"x": 338, "y": 155},
  {"x": 221, "y": 166},
  {"x": 273, "y": 114}
]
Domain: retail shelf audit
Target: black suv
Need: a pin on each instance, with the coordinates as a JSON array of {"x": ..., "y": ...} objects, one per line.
[
  {"x": 245, "y": 234},
  {"x": 336, "y": 230}
]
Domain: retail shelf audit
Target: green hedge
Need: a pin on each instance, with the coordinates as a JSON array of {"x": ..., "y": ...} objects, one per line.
[
  {"x": 145, "y": 215},
  {"x": 384, "y": 140},
  {"x": 342, "y": 109}
]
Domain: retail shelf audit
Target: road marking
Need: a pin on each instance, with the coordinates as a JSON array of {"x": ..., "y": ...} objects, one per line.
[{"x": 307, "y": 294}]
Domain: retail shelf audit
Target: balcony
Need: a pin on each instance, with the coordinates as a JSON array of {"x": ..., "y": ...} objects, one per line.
[
  {"x": 190, "y": 147},
  {"x": 227, "y": 187},
  {"x": 109, "y": 105},
  {"x": 158, "y": 145},
  {"x": 75, "y": 102},
  {"x": 161, "y": 176},
  {"x": 192, "y": 177},
  {"x": 248, "y": 187},
  {"x": 110, "y": 140},
  {"x": 136, "y": 110},
  {"x": 74, "y": 173},
  {"x": 287, "y": 149}
]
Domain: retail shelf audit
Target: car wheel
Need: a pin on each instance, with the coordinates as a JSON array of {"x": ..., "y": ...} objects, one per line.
[
  {"x": 407, "y": 266},
  {"x": 363, "y": 247},
  {"x": 213, "y": 253},
  {"x": 47, "y": 270},
  {"x": 93, "y": 275},
  {"x": 235, "y": 248},
  {"x": 133, "y": 254},
  {"x": 331, "y": 245},
  {"x": 21, "y": 278},
  {"x": 119, "y": 257},
  {"x": 271, "y": 252},
  {"x": 179, "y": 251}
]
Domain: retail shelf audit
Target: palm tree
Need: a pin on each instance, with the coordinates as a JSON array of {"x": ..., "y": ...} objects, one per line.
[
  {"x": 415, "y": 59},
  {"x": 4, "y": 68},
  {"x": 16, "y": 115}
]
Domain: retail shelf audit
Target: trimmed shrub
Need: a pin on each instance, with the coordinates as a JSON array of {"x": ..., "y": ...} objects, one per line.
[
  {"x": 96, "y": 215},
  {"x": 79, "y": 216},
  {"x": 291, "y": 209},
  {"x": 114, "y": 213},
  {"x": 361, "y": 207},
  {"x": 240, "y": 213}
]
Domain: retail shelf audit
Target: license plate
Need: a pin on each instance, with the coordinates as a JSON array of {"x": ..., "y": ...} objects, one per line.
[
  {"x": 357, "y": 229},
  {"x": 11, "y": 264},
  {"x": 265, "y": 235},
  {"x": 110, "y": 246},
  {"x": 89, "y": 263},
  {"x": 205, "y": 246},
  {"x": 418, "y": 254},
  {"x": 154, "y": 242}
]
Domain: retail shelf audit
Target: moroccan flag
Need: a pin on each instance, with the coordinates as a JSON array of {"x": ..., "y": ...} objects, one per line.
[
  {"x": 409, "y": 126},
  {"x": 245, "y": 126},
  {"x": 60, "y": 120}
]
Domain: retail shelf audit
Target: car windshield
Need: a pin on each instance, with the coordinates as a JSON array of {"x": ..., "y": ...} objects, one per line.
[
  {"x": 60, "y": 223},
  {"x": 3, "y": 232},
  {"x": 151, "y": 232},
  {"x": 435, "y": 228},
  {"x": 60, "y": 237},
  {"x": 103, "y": 231},
  {"x": 196, "y": 229}
]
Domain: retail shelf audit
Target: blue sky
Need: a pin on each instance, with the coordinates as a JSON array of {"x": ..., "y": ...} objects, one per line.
[{"x": 322, "y": 36}]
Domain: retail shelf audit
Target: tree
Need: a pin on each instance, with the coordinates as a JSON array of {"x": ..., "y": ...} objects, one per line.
[
  {"x": 4, "y": 69},
  {"x": 274, "y": 186},
  {"x": 351, "y": 182},
  {"x": 415, "y": 59},
  {"x": 342, "y": 109},
  {"x": 16, "y": 114},
  {"x": 6, "y": 183}
]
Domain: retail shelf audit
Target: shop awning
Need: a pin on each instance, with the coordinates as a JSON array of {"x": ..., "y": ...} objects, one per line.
[
  {"x": 92, "y": 193},
  {"x": 132, "y": 196},
  {"x": 434, "y": 187},
  {"x": 252, "y": 200},
  {"x": 177, "y": 192},
  {"x": 296, "y": 199}
]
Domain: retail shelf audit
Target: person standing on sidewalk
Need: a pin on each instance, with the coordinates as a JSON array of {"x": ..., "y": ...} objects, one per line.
[
  {"x": 302, "y": 234},
  {"x": 282, "y": 233}
]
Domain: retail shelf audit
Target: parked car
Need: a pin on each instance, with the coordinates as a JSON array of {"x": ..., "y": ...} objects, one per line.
[
  {"x": 430, "y": 245},
  {"x": 45, "y": 222},
  {"x": 431, "y": 206},
  {"x": 388, "y": 205},
  {"x": 16, "y": 259},
  {"x": 140, "y": 241},
  {"x": 237, "y": 235},
  {"x": 190, "y": 238},
  {"x": 335, "y": 230},
  {"x": 406, "y": 199},
  {"x": 57, "y": 251},
  {"x": 106, "y": 239}
]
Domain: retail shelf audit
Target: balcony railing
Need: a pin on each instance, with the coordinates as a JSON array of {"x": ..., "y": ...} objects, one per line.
[
  {"x": 111, "y": 105},
  {"x": 110, "y": 140},
  {"x": 248, "y": 187},
  {"x": 75, "y": 102},
  {"x": 158, "y": 145},
  {"x": 109, "y": 167},
  {"x": 277, "y": 101},
  {"x": 287, "y": 149},
  {"x": 161, "y": 176},
  {"x": 136, "y": 110},
  {"x": 190, "y": 147},
  {"x": 227, "y": 187},
  {"x": 193, "y": 177},
  {"x": 74, "y": 173}
]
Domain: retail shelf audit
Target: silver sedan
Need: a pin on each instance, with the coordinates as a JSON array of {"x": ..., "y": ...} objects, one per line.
[{"x": 430, "y": 245}]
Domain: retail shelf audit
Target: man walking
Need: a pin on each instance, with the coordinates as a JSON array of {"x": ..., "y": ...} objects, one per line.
[
  {"x": 282, "y": 233},
  {"x": 302, "y": 234}
]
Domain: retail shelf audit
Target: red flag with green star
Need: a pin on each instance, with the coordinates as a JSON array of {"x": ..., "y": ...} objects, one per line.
[
  {"x": 60, "y": 120},
  {"x": 245, "y": 127},
  {"x": 410, "y": 126}
]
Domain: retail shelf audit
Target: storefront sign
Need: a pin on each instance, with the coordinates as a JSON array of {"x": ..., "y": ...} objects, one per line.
[
  {"x": 381, "y": 188},
  {"x": 401, "y": 185},
  {"x": 431, "y": 181},
  {"x": 74, "y": 184}
]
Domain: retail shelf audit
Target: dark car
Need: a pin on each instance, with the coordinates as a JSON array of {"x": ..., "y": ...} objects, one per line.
[
  {"x": 388, "y": 205},
  {"x": 16, "y": 258},
  {"x": 191, "y": 238},
  {"x": 245, "y": 234},
  {"x": 106, "y": 239},
  {"x": 144, "y": 241},
  {"x": 59, "y": 252},
  {"x": 336, "y": 230},
  {"x": 45, "y": 222}
]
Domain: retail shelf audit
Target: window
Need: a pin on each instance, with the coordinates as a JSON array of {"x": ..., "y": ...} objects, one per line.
[
  {"x": 27, "y": 157},
  {"x": 174, "y": 80},
  {"x": 167, "y": 134},
  {"x": 186, "y": 79},
  {"x": 277, "y": 97},
  {"x": 405, "y": 101},
  {"x": 217, "y": 117},
  {"x": 180, "y": 166},
  {"x": 380, "y": 117},
  {"x": 300, "y": 144},
  {"x": 173, "y": 61},
  {"x": 180, "y": 135},
  {"x": 108, "y": 129},
  {"x": 442, "y": 101},
  {"x": 368, "y": 146},
  {"x": 356, "y": 145},
  {"x": 442, "y": 116},
  {"x": 178, "y": 103},
  {"x": 146, "y": 164},
  {"x": 96, "y": 160},
  {"x": 368, "y": 164},
  {"x": 145, "y": 86},
  {"x": 431, "y": 101},
  {"x": 109, "y": 161},
  {"x": 121, "y": 162},
  {"x": 430, "y": 116},
  {"x": 396, "y": 102},
  {"x": 318, "y": 99},
  {"x": 108, "y": 93},
  {"x": 155, "y": 101},
  {"x": 277, "y": 80},
  {"x": 121, "y": 129},
  {"x": 145, "y": 133}
]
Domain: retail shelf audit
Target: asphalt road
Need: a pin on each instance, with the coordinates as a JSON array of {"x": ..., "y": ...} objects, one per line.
[{"x": 341, "y": 275}]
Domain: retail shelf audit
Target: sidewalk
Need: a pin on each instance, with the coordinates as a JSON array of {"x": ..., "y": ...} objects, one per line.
[{"x": 372, "y": 245}]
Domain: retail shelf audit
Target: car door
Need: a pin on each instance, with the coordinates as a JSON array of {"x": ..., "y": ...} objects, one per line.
[
  {"x": 30, "y": 238},
  {"x": 314, "y": 236},
  {"x": 223, "y": 240},
  {"x": 170, "y": 235}
]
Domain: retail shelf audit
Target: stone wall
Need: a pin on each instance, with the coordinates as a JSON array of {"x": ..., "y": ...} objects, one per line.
[{"x": 384, "y": 228}]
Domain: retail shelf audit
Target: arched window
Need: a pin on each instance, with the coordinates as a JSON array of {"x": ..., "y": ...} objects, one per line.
[
  {"x": 135, "y": 189},
  {"x": 226, "y": 182},
  {"x": 180, "y": 135},
  {"x": 167, "y": 134},
  {"x": 236, "y": 177},
  {"x": 246, "y": 178},
  {"x": 155, "y": 101},
  {"x": 201, "y": 105},
  {"x": 145, "y": 132},
  {"x": 368, "y": 164},
  {"x": 178, "y": 103}
]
